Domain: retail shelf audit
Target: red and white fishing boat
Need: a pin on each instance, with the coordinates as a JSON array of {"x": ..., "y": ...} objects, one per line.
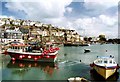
[{"x": 23, "y": 51}]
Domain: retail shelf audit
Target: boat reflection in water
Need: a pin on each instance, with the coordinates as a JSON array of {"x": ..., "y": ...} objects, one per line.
[
  {"x": 96, "y": 77},
  {"x": 25, "y": 66}
]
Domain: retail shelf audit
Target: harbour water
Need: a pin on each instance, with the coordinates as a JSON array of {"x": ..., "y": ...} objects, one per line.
[{"x": 71, "y": 62}]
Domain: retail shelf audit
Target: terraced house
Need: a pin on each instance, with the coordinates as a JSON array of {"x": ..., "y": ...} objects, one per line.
[{"x": 37, "y": 31}]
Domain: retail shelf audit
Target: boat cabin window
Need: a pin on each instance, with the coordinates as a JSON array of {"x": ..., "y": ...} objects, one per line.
[
  {"x": 113, "y": 62},
  {"x": 105, "y": 61},
  {"x": 110, "y": 61},
  {"x": 15, "y": 47},
  {"x": 99, "y": 61}
]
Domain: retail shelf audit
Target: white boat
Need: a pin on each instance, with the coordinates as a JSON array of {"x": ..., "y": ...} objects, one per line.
[
  {"x": 105, "y": 66},
  {"x": 22, "y": 51},
  {"x": 77, "y": 79}
]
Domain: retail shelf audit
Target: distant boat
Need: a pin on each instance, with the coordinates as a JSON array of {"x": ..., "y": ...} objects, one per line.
[
  {"x": 86, "y": 50},
  {"x": 105, "y": 66}
]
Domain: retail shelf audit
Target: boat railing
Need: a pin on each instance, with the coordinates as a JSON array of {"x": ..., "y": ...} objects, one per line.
[
  {"x": 105, "y": 56},
  {"x": 105, "y": 61}
]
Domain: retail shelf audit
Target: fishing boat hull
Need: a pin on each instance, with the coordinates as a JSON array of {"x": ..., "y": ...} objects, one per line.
[
  {"x": 105, "y": 72},
  {"x": 50, "y": 57}
]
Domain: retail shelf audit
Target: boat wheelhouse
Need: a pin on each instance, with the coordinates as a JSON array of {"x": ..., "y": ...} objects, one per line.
[
  {"x": 86, "y": 50},
  {"x": 22, "y": 51}
]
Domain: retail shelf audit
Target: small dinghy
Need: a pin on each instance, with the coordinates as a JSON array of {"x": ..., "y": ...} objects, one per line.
[{"x": 86, "y": 50}]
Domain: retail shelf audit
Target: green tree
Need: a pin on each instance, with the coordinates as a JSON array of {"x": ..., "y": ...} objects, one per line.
[
  {"x": 90, "y": 38},
  {"x": 102, "y": 37},
  {"x": 21, "y": 22},
  {"x": 85, "y": 38}
]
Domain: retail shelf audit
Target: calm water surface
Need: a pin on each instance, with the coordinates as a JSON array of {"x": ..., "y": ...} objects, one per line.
[{"x": 68, "y": 64}]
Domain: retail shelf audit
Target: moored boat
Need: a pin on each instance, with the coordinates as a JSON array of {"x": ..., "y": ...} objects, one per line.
[
  {"x": 86, "y": 50},
  {"x": 105, "y": 66},
  {"x": 21, "y": 51},
  {"x": 77, "y": 79}
]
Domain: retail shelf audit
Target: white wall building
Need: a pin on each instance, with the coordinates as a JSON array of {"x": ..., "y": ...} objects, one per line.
[
  {"x": 2, "y": 22},
  {"x": 38, "y": 24},
  {"x": 11, "y": 35},
  {"x": 16, "y": 22},
  {"x": 8, "y": 21},
  {"x": 82, "y": 38}
]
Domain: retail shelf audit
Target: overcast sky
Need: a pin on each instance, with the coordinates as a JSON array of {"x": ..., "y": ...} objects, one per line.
[{"x": 87, "y": 17}]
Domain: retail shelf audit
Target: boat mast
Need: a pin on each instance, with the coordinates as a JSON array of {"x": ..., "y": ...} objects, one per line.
[
  {"x": 50, "y": 31},
  {"x": 49, "y": 27}
]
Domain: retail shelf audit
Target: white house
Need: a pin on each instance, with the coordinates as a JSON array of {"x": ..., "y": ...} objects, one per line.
[
  {"x": 25, "y": 23},
  {"x": 2, "y": 22},
  {"x": 38, "y": 24},
  {"x": 81, "y": 38},
  {"x": 32, "y": 23},
  {"x": 12, "y": 35},
  {"x": 8, "y": 21},
  {"x": 44, "y": 33},
  {"x": 16, "y": 22}
]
